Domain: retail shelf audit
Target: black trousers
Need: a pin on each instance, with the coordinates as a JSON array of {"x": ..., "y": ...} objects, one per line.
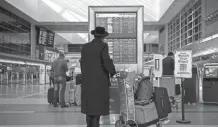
[{"x": 92, "y": 121}]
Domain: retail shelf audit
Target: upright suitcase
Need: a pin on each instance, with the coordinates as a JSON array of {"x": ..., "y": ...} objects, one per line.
[
  {"x": 78, "y": 79},
  {"x": 78, "y": 95},
  {"x": 69, "y": 93},
  {"x": 162, "y": 102},
  {"x": 50, "y": 95},
  {"x": 177, "y": 89}
]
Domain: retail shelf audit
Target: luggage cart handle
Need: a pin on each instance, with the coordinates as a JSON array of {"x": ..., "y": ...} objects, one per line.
[
  {"x": 121, "y": 74},
  {"x": 116, "y": 75}
]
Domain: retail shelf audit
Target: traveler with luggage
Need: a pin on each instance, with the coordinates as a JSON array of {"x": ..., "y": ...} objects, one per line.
[
  {"x": 168, "y": 79},
  {"x": 59, "y": 69},
  {"x": 96, "y": 67},
  {"x": 168, "y": 65}
]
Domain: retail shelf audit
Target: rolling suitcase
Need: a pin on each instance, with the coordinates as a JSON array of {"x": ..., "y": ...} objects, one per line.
[
  {"x": 50, "y": 95},
  {"x": 162, "y": 102},
  {"x": 69, "y": 96},
  {"x": 177, "y": 89},
  {"x": 69, "y": 93},
  {"x": 78, "y": 79},
  {"x": 78, "y": 95}
]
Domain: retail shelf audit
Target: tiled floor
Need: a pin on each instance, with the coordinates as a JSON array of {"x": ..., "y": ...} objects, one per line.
[{"x": 26, "y": 106}]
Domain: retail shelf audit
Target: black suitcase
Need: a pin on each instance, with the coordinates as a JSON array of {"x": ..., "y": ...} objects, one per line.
[
  {"x": 78, "y": 79},
  {"x": 177, "y": 89},
  {"x": 50, "y": 95},
  {"x": 162, "y": 102}
]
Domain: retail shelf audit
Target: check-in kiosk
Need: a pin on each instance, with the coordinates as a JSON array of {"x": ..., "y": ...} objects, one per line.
[
  {"x": 210, "y": 83},
  {"x": 191, "y": 86}
]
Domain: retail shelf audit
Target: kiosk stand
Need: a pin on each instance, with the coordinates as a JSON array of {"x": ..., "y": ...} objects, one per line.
[
  {"x": 158, "y": 68},
  {"x": 183, "y": 69}
]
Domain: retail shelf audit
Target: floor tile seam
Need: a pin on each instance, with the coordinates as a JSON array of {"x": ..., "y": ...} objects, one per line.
[{"x": 38, "y": 93}]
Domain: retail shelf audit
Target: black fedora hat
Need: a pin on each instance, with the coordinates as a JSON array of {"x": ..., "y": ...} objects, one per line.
[{"x": 99, "y": 32}]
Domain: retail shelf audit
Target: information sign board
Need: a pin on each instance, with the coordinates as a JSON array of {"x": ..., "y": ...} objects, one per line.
[{"x": 183, "y": 64}]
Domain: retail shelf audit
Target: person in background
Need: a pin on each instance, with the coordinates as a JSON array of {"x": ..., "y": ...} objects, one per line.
[
  {"x": 59, "y": 69},
  {"x": 168, "y": 71},
  {"x": 96, "y": 67},
  {"x": 168, "y": 65}
]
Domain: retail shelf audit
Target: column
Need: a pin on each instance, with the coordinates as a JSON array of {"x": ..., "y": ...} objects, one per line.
[
  {"x": 18, "y": 77},
  {"x": 166, "y": 40},
  {"x": 65, "y": 48},
  {"x": 203, "y": 16},
  {"x": 7, "y": 77},
  {"x": 33, "y": 41},
  {"x": 32, "y": 78}
]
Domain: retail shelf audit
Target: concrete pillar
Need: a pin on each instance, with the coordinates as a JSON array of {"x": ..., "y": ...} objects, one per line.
[
  {"x": 203, "y": 16},
  {"x": 7, "y": 77},
  {"x": 166, "y": 40},
  {"x": 12, "y": 77},
  {"x": 32, "y": 78},
  {"x": 33, "y": 41},
  {"x": 65, "y": 47},
  {"x": 1, "y": 78},
  {"x": 18, "y": 77}
]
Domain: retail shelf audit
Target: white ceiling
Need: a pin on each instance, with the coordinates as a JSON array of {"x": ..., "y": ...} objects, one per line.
[
  {"x": 63, "y": 11},
  {"x": 151, "y": 37},
  {"x": 77, "y": 10}
]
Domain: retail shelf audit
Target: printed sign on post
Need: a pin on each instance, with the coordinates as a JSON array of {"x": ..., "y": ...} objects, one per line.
[{"x": 183, "y": 64}]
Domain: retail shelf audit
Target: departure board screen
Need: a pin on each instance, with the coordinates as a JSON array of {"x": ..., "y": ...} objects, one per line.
[
  {"x": 45, "y": 37},
  {"x": 122, "y": 39}
]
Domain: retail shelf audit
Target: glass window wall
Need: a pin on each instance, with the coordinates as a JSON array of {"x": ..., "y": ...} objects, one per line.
[
  {"x": 185, "y": 28},
  {"x": 14, "y": 34}
]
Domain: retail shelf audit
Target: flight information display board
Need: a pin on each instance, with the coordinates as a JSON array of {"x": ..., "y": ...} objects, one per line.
[
  {"x": 45, "y": 37},
  {"x": 122, "y": 40}
]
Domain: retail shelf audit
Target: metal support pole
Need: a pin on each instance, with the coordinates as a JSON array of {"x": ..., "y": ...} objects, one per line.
[{"x": 183, "y": 121}]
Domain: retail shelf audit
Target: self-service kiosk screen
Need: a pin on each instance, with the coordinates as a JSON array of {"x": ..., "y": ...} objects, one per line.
[
  {"x": 211, "y": 72},
  {"x": 122, "y": 39}
]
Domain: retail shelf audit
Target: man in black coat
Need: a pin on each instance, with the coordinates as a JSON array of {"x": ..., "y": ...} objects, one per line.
[
  {"x": 168, "y": 65},
  {"x": 96, "y": 69}
]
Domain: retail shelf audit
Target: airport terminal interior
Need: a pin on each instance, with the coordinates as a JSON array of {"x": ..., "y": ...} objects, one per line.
[{"x": 141, "y": 33}]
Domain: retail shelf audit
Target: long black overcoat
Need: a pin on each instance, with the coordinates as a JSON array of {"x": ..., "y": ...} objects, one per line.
[{"x": 96, "y": 66}]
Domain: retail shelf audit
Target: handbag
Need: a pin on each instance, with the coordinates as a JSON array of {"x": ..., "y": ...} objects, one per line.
[{"x": 68, "y": 78}]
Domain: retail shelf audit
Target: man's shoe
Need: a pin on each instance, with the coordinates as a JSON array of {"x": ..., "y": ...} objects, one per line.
[
  {"x": 64, "y": 106},
  {"x": 55, "y": 105}
]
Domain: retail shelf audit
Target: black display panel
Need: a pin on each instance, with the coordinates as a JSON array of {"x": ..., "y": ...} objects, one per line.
[
  {"x": 122, "y": 39},
  {"x": 75, "y": 47},
  {"x": 211, "y": 71},
  {"x": 45, "y": 37}
]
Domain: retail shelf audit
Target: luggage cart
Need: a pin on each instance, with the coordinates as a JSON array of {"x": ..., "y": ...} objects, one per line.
[{"x": 127, "y": 107}]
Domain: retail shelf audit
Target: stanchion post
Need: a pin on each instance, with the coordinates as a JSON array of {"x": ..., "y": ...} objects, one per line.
[{"x": 183, "y": 120}]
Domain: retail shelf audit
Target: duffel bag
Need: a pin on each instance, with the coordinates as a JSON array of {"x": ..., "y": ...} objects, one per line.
[{"x": 146, "y": 113}]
